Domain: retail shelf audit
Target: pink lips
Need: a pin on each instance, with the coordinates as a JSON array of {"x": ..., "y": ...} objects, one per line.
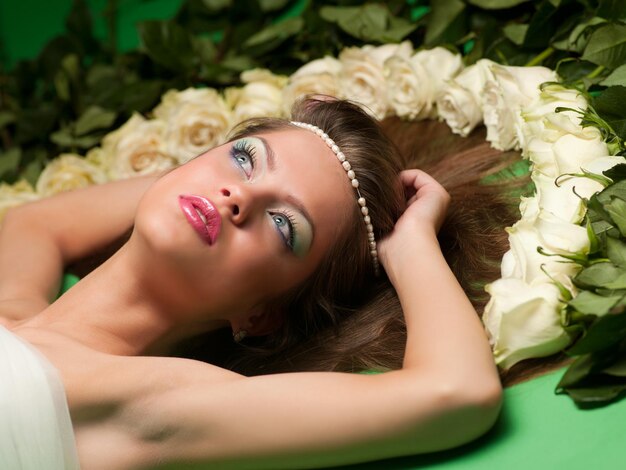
[{"x": 195, "y": 209}]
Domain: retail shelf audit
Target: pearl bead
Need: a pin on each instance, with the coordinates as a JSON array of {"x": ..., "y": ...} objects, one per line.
[
  {"x": 373, "y": 245},
  {"x": 367, "y": 219},
  {"x": 370, "y": 228},
  {"x": 364, "y": 210},
  {"x": 346, "y": 166},
  {"x": 334, "y": 148},
  {"x": 361, "y": 201},
  {"x": 374, "y": 253},
  {"x": 355, "y": 184},
  {"x": 341, "y": 157},
  {"x": 351, "y": 174}
]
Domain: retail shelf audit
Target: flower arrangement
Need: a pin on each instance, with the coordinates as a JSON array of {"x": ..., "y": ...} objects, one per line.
[{"x": 563, "y": 281}]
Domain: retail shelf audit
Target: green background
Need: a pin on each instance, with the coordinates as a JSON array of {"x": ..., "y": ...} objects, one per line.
[
  {"x": 27, "y": 25},
  {"x": 537, "y": 429}
]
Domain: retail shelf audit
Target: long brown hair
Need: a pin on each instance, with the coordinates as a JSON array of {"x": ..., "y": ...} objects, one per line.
[{"x": 366, "y": 330}]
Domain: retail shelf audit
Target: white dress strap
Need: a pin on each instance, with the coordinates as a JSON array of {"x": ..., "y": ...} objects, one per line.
[{"x": 35, "y": 426}]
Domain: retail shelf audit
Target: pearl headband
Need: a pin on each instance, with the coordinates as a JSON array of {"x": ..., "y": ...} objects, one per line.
[{"x": 355, "y": 184}]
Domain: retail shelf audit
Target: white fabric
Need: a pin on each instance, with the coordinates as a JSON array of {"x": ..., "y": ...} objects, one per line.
[{"x": 35, "y": 427}]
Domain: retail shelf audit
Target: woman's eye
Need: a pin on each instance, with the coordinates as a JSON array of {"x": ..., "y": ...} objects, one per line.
[
  {"x": 286, "y": 227},
  {"x": 243, "y": 153}
]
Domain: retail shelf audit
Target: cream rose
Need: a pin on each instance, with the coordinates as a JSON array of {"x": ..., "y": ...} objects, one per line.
[
  {"x": 505, "y": 95},
  {"x": 257, "y": 99},
  {"x": 441, "y": 66},
  {"x": 414, "y": 83},
  {"x": 263, "y": 76},
  {"x": 552, "y": 96},
  {"x": 136, "y": 148},
  {"x": 261, "y": 96},
  {"x": 362, "y": 77},
  {"x": 68, "y": 172},
  {"x": 524, "y": 262},
  {"x": 15, "y": 195},
  {"x": 410, "y": 90},
  {"x": 567, "y": 153},
  {"x": 460, "y": 102},
  {"x": 523, "y": 321},
  {"x": 319, "y": 77},
  {"x": 196, "y": 121}
]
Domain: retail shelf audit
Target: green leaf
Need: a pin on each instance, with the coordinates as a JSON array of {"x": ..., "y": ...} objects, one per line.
[
  {"x": 515, "y": 32},
  {"x": 617, "y": 77},
  {"x": 612, "y": 9},
  {"x": 65, "y": 139},
  {"x": 601, "y": 275},
  {"x": 616, "y": 251},
  {"x": 9, "y": 161},
  {"x": 616, "y": 173},
  {"x": 617, "y": 211},
  {"x": 578, "y": 36},
  {"x": 217, "y": 5},
  {"x": 271, "y": 5},
  {"x": 6, "y": 117},
  {"x": 94, "y": 118},
  {"x": 444, "y": 14},
  {"x": 371, "y": 22},
  {"x": 576, "y": 372},
  {"x": 495, "y": 4},
  {"x": 607, "y": 46},
  {"x": 604, "y": 333},
  {"x": 168, "y": 44},
  {"x": 276, "y": 33},
  {"x": 542, "y": 26},
  {"x": 595, "y": 394},
  {"x": 617, "y": 189},
  {"x": 593, "y": 304},
  {"x": 618, "y": 367}
]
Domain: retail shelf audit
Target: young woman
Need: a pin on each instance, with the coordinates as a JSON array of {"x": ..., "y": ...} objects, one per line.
[{"x": 276, "y": 235}]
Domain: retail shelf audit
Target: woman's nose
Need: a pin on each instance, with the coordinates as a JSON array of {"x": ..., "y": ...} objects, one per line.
[{"x": 240, "y": 201}]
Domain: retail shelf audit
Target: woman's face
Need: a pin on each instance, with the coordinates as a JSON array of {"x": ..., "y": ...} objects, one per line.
[{"x": 273, "y": 204}]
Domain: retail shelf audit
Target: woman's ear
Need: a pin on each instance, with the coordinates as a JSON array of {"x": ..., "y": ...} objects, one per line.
[{"x": 263, "y": 322}]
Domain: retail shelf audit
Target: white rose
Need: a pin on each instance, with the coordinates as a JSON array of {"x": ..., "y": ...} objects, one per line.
[
  {"x": 197, "y": 120},
  {"x": 68, "y": 172},
  {"x": 136, "y": 148},
  {"x": 441, "y": 66},
  {"x": 362, "y": 76},
  {"x": 256, "y": 99},
  {"x": 567, "y": 153},
  {"x": 265, "y": 76},
  {"x": 15, "y": 195},
  {"x": 510, "y": 90},
  {"x": 409, "y": 87},
  {"x": 319, "y": 77},
  {"x": 460, "y": 101},
  {"x": 552, "y": 96},
  {"x": 523, "y": 321},
  {"x": 523, "y": 261}
]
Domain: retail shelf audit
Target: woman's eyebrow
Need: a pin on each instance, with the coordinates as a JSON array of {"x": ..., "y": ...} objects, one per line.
[{"x": 294, "y": 201}]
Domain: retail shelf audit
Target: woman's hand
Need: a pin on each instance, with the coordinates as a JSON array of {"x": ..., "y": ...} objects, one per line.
[{"x": 427, "y": 204}]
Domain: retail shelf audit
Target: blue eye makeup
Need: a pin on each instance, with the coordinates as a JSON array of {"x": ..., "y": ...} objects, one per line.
[
  {"x": 286, "y": 226},
  {"x": 243, "y": 153}
]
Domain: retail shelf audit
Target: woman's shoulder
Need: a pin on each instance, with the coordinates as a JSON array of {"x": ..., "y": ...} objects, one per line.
[{"x": 92, "y": 378}]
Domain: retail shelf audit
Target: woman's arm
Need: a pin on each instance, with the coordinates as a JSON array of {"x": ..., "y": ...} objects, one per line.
[
  {"x": 39, "y": 238},
  {"x": 446, "y": 394}
]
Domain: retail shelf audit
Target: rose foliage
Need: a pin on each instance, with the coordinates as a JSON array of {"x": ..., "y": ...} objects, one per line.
[{"x": 81, "y": 87}]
